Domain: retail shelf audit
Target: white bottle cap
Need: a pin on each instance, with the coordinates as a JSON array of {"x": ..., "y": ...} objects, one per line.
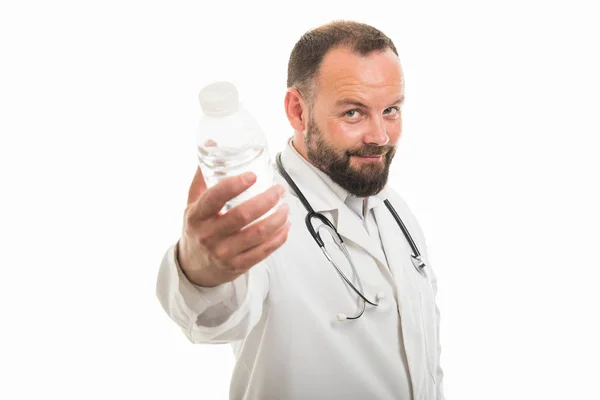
[{"x": 219, "y": 98}]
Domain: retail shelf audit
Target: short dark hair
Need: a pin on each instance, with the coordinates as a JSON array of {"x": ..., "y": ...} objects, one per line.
[{"x": 309, "y": 51}]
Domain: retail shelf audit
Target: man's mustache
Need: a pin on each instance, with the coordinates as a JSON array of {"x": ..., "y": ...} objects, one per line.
[{"x": 368, "y": 151}]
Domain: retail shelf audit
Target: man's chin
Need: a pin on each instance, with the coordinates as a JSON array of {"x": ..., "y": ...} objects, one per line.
[{"x": 367, "y": 168}]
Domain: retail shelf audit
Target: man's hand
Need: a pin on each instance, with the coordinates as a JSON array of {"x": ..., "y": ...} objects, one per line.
[{"x": 218, "y": 247}]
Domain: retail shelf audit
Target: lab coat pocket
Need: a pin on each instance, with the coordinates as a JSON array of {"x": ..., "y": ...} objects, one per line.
[{"x": 428, "y": 320}]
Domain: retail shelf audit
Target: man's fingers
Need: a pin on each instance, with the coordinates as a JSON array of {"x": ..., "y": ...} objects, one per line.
[
  {"x": 256, "y": 254},
  {"x": 197, "y": 187},
  {"x": 253, "y": 235},
  {"x": 245, "y": 213},
  {"x": 213, "y": 199}
]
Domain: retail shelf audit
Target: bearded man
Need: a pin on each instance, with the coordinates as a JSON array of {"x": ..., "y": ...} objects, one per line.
[{"x": 332, "y": 295}]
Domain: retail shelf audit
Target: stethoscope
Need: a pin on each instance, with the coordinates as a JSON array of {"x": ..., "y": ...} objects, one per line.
[{"x": 415, "y": 258}]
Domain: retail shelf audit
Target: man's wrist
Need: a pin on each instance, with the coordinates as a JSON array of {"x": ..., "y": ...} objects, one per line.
[{"x": 195, "y": 277}]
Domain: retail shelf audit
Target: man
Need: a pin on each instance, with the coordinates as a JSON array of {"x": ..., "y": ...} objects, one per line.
[{"x": 265, "y": 286}]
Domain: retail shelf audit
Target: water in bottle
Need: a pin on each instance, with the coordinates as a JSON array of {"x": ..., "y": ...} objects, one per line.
[{"x": 230, "y": 141}]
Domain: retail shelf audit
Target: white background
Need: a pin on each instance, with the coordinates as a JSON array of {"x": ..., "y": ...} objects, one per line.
[{"x": 498, "y": 161}]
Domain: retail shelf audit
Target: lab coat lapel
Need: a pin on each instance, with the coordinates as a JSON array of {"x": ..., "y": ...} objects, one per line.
[
  {"x": 351, "y": 228},
  {"x": 396, "y": 248},
  {"x": 398, "y": 253}
]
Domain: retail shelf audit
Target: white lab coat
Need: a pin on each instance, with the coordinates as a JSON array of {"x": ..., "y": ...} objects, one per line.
[{"x": 281, "y": 316}]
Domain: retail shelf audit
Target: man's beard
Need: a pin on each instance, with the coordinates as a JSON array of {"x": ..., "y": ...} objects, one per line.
[{"x": 369, "y": 179}]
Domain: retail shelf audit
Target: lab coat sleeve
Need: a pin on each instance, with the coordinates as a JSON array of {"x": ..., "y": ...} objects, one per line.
[{"x": 219, "y": 314}]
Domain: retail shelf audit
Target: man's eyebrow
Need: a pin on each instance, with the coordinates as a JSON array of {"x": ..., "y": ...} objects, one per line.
[
  {"x": 400, "y": 100},
  {"x": 351, "y": 102}
]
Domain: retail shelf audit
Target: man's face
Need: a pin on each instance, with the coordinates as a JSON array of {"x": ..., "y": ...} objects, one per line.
[{"x": 355, "y": 120}]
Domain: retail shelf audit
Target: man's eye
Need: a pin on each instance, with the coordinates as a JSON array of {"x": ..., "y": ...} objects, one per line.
[
  {"x": 392, "y": 110},
  {"x": 351, "y": 113}
]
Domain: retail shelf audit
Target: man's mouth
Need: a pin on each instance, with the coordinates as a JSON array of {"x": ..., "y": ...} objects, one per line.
[{"x": 369, "y": 158}]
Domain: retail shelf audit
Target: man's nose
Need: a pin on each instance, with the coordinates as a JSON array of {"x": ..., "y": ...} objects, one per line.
[{"x": 377, "y": 132}]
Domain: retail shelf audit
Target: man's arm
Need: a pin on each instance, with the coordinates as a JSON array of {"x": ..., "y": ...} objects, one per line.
[
  {"x": 219, "y": 314},
  {"x": 439, "y": 372},
  {"x": 213, "y": 281}
]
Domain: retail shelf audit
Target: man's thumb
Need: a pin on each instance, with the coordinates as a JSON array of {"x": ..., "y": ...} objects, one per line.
[{"x": 197, "y": 187}]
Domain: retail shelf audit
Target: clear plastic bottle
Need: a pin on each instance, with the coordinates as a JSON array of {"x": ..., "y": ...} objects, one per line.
[{"x": 230, "y": 141}]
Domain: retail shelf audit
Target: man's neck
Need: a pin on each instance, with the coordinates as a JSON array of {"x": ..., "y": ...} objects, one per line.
[{"x": 296, "y": 147}]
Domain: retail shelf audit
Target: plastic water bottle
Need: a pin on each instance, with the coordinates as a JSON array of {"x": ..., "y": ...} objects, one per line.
[{"x": 231, "y": 142}]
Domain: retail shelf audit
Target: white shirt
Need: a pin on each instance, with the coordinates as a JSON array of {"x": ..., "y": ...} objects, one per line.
[{"x": 280, "y": 317}]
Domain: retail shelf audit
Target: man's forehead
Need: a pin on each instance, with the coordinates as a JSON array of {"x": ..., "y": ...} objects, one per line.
[{"x": 343, "y": 72}]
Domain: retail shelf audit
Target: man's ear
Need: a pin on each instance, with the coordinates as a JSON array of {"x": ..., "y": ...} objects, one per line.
[{"x": 296, "y": 110}]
